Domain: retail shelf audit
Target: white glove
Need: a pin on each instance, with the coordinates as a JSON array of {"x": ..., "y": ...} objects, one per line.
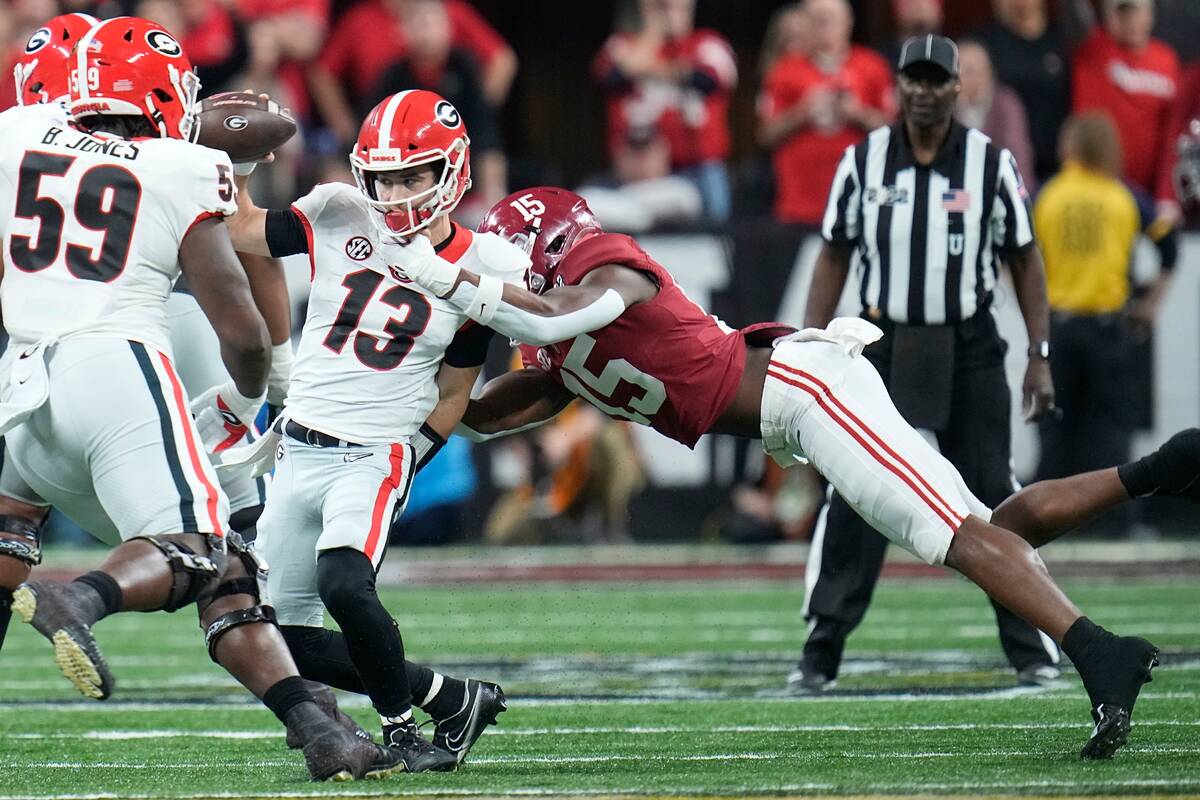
[
  {"x": 223, "y": 415},
  {"x": 424, "y": 267},
  {"x": 280, "y": 376},
  {"x": 251, "y": 460}
]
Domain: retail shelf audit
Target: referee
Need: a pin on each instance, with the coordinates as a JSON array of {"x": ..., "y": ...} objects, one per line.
[{"x": 926, "y": 210}]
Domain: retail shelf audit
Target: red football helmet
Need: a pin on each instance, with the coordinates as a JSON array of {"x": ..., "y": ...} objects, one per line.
[
  {"x": 42, "y": 71},
  {"x": 133, "y": 67},
  {"x": 545, "y": 222},
  {"x": 405, "y": 130},
  {"x": 1187, "y": 170}
]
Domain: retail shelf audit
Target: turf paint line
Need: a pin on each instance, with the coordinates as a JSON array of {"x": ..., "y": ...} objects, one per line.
[{"x": 632, "y": 730}]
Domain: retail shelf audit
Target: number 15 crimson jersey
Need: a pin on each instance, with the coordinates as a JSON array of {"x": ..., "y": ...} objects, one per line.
[
  {"x": 665, "y": 363},
  {"x": 367, "y": 363},
  {"x": 91, "y": 225}
]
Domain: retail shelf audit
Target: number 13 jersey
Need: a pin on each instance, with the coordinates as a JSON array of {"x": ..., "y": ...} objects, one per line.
[
  {"x": 665, "y": 362},
  {"x": 367, "y": 363},
  {"x": 92, "y": 224}
]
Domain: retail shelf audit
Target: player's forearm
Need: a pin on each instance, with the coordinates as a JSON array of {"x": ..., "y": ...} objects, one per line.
[
  {"x": 248, "y": 227},
  {"x": 513, "y": 402},
  {"x": 532, "y": 319},
  {"x": 829, "y": 278},
  {"x": 1029, "y": 282},
  {"x": 268, "y": 285},
  {"x": 246, "y": 352}
]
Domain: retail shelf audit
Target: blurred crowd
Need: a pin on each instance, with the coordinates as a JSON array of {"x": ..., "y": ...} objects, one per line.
[{"x": 667, "y": 86}]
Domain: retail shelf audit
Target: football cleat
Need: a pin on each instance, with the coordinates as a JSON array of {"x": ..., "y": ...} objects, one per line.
[
  {"x": 805, "y": 679},
  {"x": 53, "y": 612},
  {"x": 332, "y": 753},
  {"x": 457, "y": 733},
  {"x": 1113, "y": 687},
  {"x": 415, "y": 751},
  {"x": 325, "y": 699}
]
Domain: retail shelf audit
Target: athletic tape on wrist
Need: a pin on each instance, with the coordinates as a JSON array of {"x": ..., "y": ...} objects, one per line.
[
  {"x": 486, "y": 302},
  {"x": 242, "y": 170}
]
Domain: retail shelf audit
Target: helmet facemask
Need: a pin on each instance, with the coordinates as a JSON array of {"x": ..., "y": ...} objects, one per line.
[{"x": 401, "y": 219}]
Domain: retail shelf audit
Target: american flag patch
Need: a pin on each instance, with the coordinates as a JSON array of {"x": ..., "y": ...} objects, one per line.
[
  {"x": 957, "y": 201},
  {"x": 123, "y": 85}
]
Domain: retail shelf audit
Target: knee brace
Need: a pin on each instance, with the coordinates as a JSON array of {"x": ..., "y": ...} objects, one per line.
[
  {"x": 220, "y": 626},
  {"x": 21, "y": 539},
  {"x": 191, "y": 573}
]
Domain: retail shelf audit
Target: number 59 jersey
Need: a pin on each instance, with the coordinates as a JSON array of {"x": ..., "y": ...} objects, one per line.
[
  {"x": 367, "y": 363},
  {"x": 91, "y": 225},
  {"x": 665, "y": 362}
]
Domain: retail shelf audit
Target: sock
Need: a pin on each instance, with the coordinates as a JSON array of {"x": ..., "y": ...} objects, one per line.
[
  {"x": 5, "y": 613},
  {"x": 108, "y": 598},
  {"x": 286, "y": 695},
  {"x": 1083, "y": 642},
  {"x": 321, "y": 655},
  {"x": 346, "y": 582},
  {"x": 403, "y": 718},
  {"x": 444, "y": 696}
]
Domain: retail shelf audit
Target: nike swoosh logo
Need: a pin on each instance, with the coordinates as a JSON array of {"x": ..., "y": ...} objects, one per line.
[
  {"x": 350, "y": 458},
  {"x": 473, "y": 721}
]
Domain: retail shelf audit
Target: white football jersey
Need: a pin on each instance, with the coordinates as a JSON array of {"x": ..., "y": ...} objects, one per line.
[
  {"x": 91, "y": 225},
  {"x": 373, "y": 341}
]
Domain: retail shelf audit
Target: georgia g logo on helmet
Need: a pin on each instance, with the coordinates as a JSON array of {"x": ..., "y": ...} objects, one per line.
[
  {"x": 447, "y": 114},
  {"x": 40, "y": 38},
  {"x": 164, "y": 43}
]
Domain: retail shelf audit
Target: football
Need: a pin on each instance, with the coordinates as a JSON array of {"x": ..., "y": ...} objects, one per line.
[{"x": 246, "y": 126}]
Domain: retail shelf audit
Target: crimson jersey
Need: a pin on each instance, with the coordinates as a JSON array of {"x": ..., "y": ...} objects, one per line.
[{"x": 665, "y": 363}]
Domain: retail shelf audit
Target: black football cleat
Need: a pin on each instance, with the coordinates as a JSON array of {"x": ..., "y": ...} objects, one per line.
[
  {"x": 332, "y": 753},
  {"x": 457, "y": 733},
  {"x": 51, "y": 609},
  {"x": 1113, "y": 686},
  {"x": 325, "y": 699},
  {"x": 415, "y": 751},
  {"x": 1180, "y": 460}
]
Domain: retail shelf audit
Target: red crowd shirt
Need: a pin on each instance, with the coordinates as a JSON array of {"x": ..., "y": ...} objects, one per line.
[
  {"x": 806, "y": 161},
  {"x": 694, "y": 123},
  {"x": 369, "y": 38},
  {"x": 291, "y": 72},
  {"x": 1186, "y": 109},
  {"x": 210, "y": 41},
  {"x": 1137, "y": 89}
]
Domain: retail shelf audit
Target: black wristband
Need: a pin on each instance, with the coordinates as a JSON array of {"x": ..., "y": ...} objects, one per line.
[{"x": 427, "y": 442}]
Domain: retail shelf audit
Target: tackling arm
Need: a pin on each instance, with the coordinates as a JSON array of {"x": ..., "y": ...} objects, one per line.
[{"x": 513, "y": 402}]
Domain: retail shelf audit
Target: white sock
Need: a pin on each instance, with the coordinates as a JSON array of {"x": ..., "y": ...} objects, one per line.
[{"x": 435, "y": 686}]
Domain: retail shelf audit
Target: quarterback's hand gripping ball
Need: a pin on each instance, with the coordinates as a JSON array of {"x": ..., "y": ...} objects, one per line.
[{"x": 248, "y": 127}]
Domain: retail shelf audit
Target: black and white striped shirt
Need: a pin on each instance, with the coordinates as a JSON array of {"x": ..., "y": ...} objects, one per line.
[{"x": 927, "y": 240}]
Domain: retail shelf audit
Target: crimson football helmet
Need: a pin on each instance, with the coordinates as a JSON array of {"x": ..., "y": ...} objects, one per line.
[
  {"x": 409, "y": 129},
  {"x": 545, "y": 222},
  {"x": 129, "y": 66},
  {"x": 1187, "y": 169},
  {"x": 42, "y": 71}
]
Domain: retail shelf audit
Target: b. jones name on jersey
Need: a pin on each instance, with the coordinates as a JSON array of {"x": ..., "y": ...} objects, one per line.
[{"x": 86, "y": 143}]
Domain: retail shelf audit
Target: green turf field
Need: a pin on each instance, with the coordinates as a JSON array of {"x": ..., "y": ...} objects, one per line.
[{"x": 629, "y": 689}]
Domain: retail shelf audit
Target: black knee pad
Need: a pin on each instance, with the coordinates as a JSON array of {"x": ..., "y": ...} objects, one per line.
[
  {"x": 191, "y": 574},
  {"x": 255, "y": 615},
  {"x": 345, "y": 578},
  {"x": 21, "y": 539},
  {"x": 252, "y": 583},
  {"x": 244, "y": 519}
]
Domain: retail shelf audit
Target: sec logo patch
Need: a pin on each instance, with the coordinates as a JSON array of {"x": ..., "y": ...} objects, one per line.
[{"x": 359, "y": 248}]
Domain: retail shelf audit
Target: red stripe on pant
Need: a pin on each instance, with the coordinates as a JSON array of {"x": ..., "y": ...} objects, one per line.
[
  {"x": 389, "y": 485},
  {"x": 884, "y": 445},
  {"x": 185, "y": 413},
  {"x": 951, "y": 520}
]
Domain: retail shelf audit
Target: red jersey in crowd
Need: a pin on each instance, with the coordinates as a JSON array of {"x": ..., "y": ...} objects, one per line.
[
  {"x": 291, "y": 71},
  {"x": 1137, "y": 90},
  {"x": 665, "y": 363},
  {"x": 1186, "y": 109},
  {"x": 806, "y": 161},
  {"x": 692, "y": 117},
  {"x": 369, "y": 38}
]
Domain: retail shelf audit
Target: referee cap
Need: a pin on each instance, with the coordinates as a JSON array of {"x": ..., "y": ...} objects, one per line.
[{"x": 930, "y": 49}]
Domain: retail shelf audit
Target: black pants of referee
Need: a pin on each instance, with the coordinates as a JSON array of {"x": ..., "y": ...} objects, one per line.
[{"x": 977, "y": 441}]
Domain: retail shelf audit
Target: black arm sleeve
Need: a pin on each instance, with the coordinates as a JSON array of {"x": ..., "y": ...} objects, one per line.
[
  {"x": 469, "y": 347},
  {"x": 1168, "y": 250},
  {"x": 285, "y": 233}
]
